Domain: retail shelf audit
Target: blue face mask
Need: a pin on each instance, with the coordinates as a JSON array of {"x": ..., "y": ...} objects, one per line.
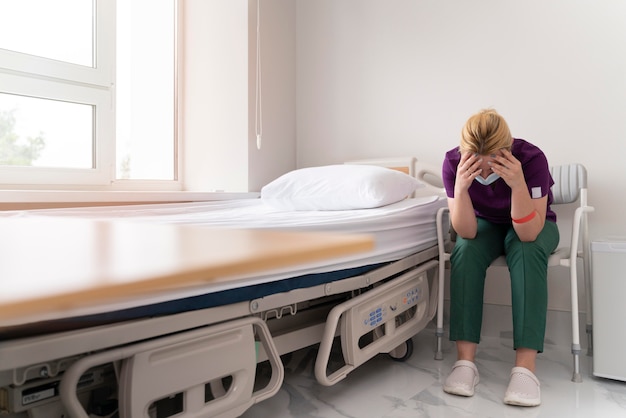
[{"x": 487, "y": 181}]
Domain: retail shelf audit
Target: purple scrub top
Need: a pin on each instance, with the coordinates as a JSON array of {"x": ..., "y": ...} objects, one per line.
[{"x": 493, "y": 202}]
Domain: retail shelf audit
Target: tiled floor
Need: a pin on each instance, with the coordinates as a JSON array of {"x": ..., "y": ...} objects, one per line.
[{"x": 386, "y": 388}]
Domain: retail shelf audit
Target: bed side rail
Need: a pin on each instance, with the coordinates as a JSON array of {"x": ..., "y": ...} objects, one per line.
[
  {"x": 183, "y": 365},
  {"x": 392, "y": 313}
]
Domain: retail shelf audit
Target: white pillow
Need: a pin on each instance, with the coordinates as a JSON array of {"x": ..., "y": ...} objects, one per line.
[{"x": 339, "y": 187}]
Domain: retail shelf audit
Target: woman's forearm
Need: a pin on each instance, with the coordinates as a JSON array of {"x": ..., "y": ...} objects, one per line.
[
  {"x": 462, "y": 215},
  {"x": 528, "y": 215}
]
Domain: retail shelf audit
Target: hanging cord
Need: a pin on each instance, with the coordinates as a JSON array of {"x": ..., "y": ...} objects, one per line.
[{"x": 258, "y": 110}]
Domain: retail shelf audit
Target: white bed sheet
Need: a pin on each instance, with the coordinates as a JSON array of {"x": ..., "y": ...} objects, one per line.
[{"x": 399, "y": 230}]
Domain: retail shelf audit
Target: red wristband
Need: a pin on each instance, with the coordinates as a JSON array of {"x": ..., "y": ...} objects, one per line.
[{"x": 525, "y": 218}]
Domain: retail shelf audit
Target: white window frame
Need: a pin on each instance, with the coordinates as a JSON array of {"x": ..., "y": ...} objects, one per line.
[
  {"x": 41, "y": 77},
  {"x": 103, "y": 121}
]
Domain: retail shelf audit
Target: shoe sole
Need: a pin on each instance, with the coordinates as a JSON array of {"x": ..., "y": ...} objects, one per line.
[
  {"x": 458, "y": 391},
  {"x": 515, "y": 401},
  {"x": 455, "y": 390}
]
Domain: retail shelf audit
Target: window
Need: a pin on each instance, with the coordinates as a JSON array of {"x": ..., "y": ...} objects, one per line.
[
  {"x": 145, "y": 97},
  {"x": 82, "y": 103}
]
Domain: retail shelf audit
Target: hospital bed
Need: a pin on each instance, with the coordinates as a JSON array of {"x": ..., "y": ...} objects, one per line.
[{"x": 194, "y": 351}]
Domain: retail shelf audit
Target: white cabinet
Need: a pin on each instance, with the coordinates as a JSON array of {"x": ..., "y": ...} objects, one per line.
[{"x": 609, "y": 308}]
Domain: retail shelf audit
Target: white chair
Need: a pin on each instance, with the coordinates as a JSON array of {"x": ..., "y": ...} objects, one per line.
[{"x": 570, "y": 185}]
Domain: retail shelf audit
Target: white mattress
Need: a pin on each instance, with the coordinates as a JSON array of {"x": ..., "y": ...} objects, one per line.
[{"x": 399, "y": 230}]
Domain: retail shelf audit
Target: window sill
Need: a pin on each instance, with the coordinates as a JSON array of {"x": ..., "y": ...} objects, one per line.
[{"x": 36, "y": 199}]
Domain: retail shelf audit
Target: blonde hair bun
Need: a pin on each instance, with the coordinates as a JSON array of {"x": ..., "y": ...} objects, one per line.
[{"x": 485, "y": 133}]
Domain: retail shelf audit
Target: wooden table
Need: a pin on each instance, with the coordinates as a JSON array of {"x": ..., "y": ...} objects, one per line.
[{"x": 58, "y": 264}]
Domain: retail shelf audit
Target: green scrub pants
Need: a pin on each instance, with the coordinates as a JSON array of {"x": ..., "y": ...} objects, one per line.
[{"x": 528, "y": 268}]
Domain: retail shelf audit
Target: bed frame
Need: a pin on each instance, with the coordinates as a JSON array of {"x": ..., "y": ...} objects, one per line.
[{"x": 122, "y": 364}]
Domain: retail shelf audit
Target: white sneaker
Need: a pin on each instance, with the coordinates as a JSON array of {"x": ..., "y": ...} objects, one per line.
[
  {"x": 462, "y": 379},
  {"x": 523, "y": 388}
]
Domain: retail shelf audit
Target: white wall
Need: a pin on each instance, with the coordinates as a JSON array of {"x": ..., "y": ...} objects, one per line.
[
  {"x": 215, "y": 95},
  {"x": 278, "y": 93},
  {"x": 218, "y": 94},
  {"x": 400, "y": 77}
]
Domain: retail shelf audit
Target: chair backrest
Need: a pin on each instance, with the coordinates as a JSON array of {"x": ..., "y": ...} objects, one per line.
[{"x": 569, "y": 179}]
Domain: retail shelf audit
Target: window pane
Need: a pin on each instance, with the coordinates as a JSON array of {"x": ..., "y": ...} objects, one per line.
[
  {"x": 45, "y": 133},
  {"x": 145, "y": 110},
  {"x": 61, "y": 29}
]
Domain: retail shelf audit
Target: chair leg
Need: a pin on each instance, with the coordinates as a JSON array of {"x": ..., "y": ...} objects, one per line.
[
  {"x": 576, "y": 377},
  {"x": 439, "y": 331},
  {"x": 588, "y": 277},
  {"x": 439, "y": 352}
]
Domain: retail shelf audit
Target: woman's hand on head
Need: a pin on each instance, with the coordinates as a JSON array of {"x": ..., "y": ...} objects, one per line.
[
  {"x": 467, "y": 170},
  {"x": 508, "y": 168}
]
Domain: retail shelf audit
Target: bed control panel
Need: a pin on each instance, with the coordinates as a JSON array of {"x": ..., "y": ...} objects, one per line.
[
  {"x": 398, "y": 304},
  {"x": 375, "y": 317},
  {"x": 376, "y": 312}
]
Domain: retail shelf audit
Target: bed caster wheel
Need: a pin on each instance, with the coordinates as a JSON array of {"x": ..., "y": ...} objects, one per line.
[{"x": 403, "y": 351}]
